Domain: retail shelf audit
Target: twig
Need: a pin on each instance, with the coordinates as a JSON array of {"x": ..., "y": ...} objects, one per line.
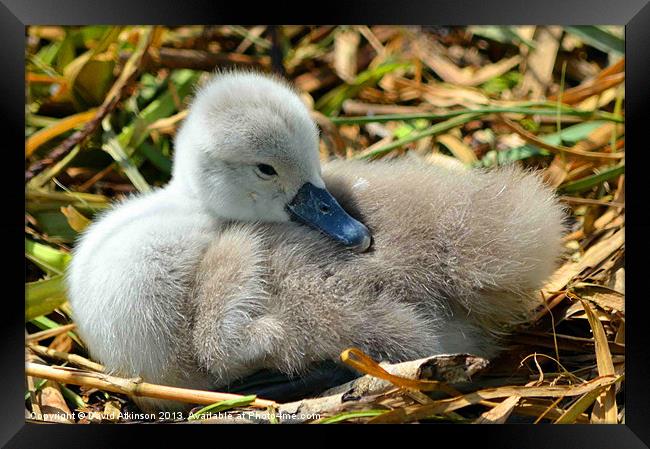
[
  {"x": 42, "y": 335},
  {"x": 455, "y": 368},
  {"x": 96, "y": 177},
  {"x": 65, "y": 357},
  {"x": 40, "y": 137},
  {"x": 578, "y": 200},
  {"x": 360, "y": 108},
  {"x": 591, "y": 87},
  {"x": 182, "y": 58},
  {"x": 134, "y": 387}
]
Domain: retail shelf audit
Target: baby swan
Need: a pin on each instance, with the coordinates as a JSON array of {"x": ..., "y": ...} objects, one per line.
[{"x": 246, "y": 261}]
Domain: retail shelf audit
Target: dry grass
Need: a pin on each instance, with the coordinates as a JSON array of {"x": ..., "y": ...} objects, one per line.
[{"x": 103, "y": 105}]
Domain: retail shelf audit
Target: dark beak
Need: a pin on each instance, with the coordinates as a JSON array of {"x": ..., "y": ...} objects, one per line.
[{"x": 315, "y": 207}]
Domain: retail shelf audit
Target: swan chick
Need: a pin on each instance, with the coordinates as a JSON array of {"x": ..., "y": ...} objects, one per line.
[{"x": 253, "y": 257}]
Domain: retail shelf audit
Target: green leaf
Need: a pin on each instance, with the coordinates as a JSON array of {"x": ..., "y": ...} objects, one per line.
[
  {"x": 42, "y": 178},
  {"x": 72, "y": 397},
  {"x": 351, "y": 415},
  {"x": 525, "y": 151},
  {"x": 92, "y": 83},
  {"x": 502, "y": 83},
  {"x": 150, "y": 87},
  {"x": 587, "y": 183},
  {"x": 481, "y": 111},
  {"x": 89, "y": 34},
  {"x": 573, "y": 134},
  {"x": 66, "y": 53},
  {"x": 503, "y": 34},
  {"x": 50, "y": 260},
  {"x": 598, "y": 38},
  {"x": 222, "y": 406},
  {"x": 48, "y": 54},
  {"x": 38, "y": 384},
  {"x": 113, "y": 147},
  {"x": 55, "y": 225},
  {"x": 135, "y": 133},
  {"x": 44, "y": 323},
  {"x": 41, "y": 200},
  {"x": 90, "y": 78},
  {"x": 42, "y": 297}
]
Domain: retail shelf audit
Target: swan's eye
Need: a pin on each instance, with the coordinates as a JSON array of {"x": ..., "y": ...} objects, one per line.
[{"x": 266, "y": 170}]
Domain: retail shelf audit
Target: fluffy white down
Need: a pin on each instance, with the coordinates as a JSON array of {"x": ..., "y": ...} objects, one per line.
[{"x": 205, "y": 280}]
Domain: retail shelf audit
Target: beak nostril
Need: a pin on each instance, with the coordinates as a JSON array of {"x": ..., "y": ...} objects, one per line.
[{"x": 325, "y": 208}]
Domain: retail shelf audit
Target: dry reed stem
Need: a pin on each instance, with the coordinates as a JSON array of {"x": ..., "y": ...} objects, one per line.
[
  {"x": 42, "y": 335},
  {"x": 134, "y": 387},
  {"x": 455, "y": 403},
  {"x": 66, "y": 357}
]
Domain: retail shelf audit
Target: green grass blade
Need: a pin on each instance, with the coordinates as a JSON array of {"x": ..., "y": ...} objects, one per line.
[
  {"x": 351, "y": 415},
  {"x": 72, "y": 397},
  {"x": 222, "y": 406},
  {"x": 438, "y": 128},
  {"x": 598, "y": 38},
  {"x": 499, "y": 33},
  {"x": 587, "y": 183},
  {"x": 113, "y": 147},
  {"x": 481, "y": 111},
  {"x": 39, "y": 180}
]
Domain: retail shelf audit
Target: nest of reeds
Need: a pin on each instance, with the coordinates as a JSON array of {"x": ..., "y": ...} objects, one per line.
[{"x": 103, "y": 104}]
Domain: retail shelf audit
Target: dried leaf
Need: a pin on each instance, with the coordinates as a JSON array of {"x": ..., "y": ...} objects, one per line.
[
  {"x": 540, "y": 61},
  {"x": 458, "y": 148},
  {"x": 605, "y": 297},
  {"x": 593, "y": 257},
  {"x": 455, "y": 403},
  {"x": 605, "y": 411},
  {"x": 346, "y": 46},
  {"x": 571, "y": 414},
  {"x": 76, "y": 219},
  {"x": 52, "y": 404},
  {"x": 112, "y": 411},
  {"x": 500, "y": 413}
]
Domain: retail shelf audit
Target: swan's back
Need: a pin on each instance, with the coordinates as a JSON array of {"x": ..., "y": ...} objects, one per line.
[
  {"x": 462, "y": 231},
  {"x": 456, "y": 258}
]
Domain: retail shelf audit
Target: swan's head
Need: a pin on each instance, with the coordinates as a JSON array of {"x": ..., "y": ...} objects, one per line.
[{"x": 249, "y": 151}]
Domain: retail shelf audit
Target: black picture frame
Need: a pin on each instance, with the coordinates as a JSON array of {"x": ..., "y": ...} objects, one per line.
[{"x": 15, "y": 15}]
